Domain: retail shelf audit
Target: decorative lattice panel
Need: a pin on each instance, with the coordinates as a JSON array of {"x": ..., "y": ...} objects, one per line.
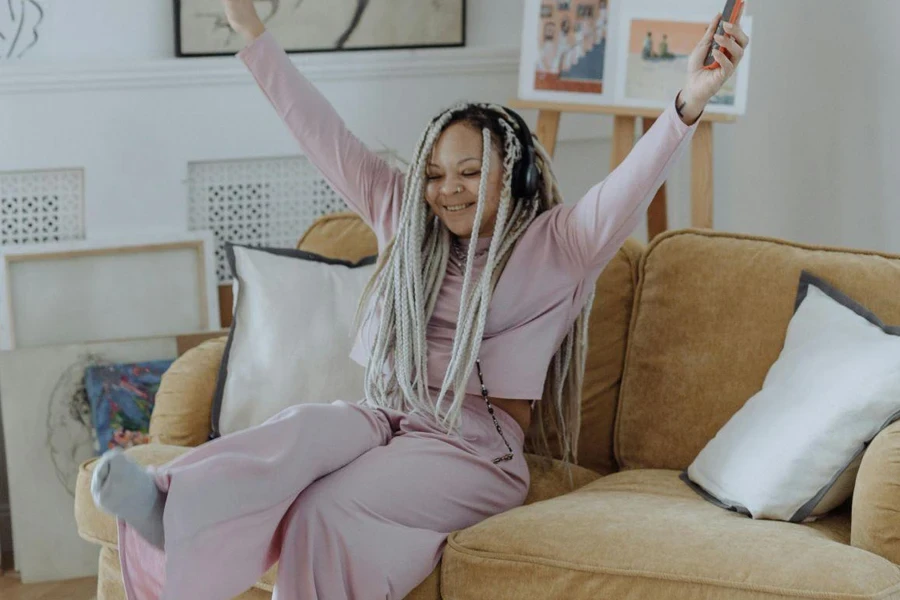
[
  {"x": 264, "y": 202},
  {"x": 41, "y": 206}
]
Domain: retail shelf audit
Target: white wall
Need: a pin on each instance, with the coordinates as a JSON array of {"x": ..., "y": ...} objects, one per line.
[
  {"x": 135, "y": 139},
  {"x": 810, "y": 161}
]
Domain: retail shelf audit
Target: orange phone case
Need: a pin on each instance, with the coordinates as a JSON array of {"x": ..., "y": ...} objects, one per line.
[{"x": 730, "y": 15}]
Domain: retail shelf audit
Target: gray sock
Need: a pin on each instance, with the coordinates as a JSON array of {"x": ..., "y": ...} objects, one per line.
[{"x": 127, "y": 490}]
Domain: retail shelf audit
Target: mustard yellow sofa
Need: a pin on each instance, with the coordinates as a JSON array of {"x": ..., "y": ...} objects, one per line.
[{"x": 682, "y": 334}]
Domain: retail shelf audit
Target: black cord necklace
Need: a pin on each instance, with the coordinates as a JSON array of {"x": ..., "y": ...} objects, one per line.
[{"x": 490, "y": 407}]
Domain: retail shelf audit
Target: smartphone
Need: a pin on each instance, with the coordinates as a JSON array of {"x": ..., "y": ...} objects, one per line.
[{"x": 729, "y": 15}]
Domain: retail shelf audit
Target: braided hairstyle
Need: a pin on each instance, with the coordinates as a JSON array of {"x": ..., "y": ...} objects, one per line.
[{"x": 403, "y": 291}]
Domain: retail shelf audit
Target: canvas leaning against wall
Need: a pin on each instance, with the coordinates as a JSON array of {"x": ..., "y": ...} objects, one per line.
[
  {"x": 48, "y": 434},
  {"x": 201, "y": 28}
]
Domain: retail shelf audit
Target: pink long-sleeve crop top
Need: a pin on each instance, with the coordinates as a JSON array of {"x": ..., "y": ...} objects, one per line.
[{"x": 553, "y": 267}]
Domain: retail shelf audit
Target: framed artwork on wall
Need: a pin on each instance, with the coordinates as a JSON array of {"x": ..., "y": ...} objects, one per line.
[{"x": 201, "y": 28}]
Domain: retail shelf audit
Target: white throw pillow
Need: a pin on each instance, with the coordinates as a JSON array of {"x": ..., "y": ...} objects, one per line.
[
  {"x": 792, "y": 451},
  {"x": 291, "y": 335}
]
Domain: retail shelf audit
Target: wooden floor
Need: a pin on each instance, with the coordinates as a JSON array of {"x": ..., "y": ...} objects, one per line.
[{"x": 12, "y": 589}]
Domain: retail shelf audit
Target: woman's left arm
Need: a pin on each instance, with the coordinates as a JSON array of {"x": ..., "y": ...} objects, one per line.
[{"x": 592, "y": 230}]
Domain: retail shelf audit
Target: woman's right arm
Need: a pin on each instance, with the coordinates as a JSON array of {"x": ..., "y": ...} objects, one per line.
[{"x": 370, "y": 186}]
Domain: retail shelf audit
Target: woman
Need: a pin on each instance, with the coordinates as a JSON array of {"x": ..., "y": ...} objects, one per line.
[{"x": 474, "y": 325}]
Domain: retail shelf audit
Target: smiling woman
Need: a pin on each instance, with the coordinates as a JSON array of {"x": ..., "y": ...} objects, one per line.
[
  {"x": 454, "y": 173},
  {"x": 473, "y": 324}
]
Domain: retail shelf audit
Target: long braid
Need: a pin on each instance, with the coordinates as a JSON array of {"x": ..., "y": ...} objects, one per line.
[{"x": 402, "y": 294}]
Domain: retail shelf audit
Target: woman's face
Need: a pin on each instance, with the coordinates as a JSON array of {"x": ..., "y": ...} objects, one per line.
[{"x": 454, "y": 176}]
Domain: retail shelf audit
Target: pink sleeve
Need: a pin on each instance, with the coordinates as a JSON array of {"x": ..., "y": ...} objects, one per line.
[
  {"x": 370, "y": 186},
  {"x": 589, "y": 232}
]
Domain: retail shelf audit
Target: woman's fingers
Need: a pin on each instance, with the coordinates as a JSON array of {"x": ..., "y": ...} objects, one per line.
[
  {"x": 730, "y": 44},
  {"x": 710, "y": 31},
  {"x": 723, "y": 60},
  {"x": 739, "y": 35}
]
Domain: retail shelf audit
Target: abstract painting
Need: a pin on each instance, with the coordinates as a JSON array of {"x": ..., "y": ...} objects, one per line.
[
  {"x": 19, "y": 24},
  {"x": 201, "y": 28},
  {"x": 122, "y": 397},
  {"x": 653, "y": 62},
  {"x": 564, "y": 50}
]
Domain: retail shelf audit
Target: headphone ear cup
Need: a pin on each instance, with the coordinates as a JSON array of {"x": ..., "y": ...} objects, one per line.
[
  {"x": 526, "y": 175},
  {"x": 532, "y": 175}
]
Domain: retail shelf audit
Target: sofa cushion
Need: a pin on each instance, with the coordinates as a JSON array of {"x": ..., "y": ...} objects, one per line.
[
  {"x": 291, "y": 335},
  {"x": 343, "y": 236},
  {"x": 710, "y": 318},
  {"x": 645, "y": 534},
  {"x": 181, "y": 416},
  {"x": 607, "y": 340},
  {"x": 794, "y": 449}
]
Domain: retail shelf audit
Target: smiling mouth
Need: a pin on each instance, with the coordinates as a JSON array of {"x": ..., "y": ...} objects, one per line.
[{"x": 458, "y": 207}]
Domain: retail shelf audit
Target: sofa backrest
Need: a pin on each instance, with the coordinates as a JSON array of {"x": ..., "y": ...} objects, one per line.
[
  {"x": 347, "y": 237},
  {"x": 710, "y": 318}
]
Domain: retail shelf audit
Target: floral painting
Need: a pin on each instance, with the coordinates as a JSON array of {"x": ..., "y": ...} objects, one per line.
[{"x": 122, "y": 398}]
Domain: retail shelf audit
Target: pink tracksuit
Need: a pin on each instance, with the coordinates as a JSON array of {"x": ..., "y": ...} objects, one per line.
[{"x": 355, "y": 501}]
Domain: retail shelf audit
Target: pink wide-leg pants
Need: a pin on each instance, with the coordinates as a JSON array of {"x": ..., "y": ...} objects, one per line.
[{"x": 352, "y": 501}]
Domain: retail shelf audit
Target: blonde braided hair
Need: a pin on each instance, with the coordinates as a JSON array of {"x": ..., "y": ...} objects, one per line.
[{"x": 402, "y": 293}]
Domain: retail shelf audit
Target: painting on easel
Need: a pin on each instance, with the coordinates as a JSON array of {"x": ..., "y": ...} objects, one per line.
[
  {"x": 564, "y": 51},
  {"x": 652, "y": 62}
]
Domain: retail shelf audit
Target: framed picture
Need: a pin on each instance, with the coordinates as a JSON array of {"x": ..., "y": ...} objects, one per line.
[
  {"x": 564, "y": 51},
  {"x": 101, "y": 290},
  {"x": 653, "y": 54},
  {"x": 201, "y": 28},
  {"x": 122, "y": 397},
  {"x": 48, "y": 434}
]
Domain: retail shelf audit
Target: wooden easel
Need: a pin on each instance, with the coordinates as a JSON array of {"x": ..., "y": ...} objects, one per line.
[{"x": 625, "y": 119}]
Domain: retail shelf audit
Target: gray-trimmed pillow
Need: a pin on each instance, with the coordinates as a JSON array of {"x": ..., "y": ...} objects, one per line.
[
  {"x": 291, "y": 335},
  {"x": 792, "y": 451}
]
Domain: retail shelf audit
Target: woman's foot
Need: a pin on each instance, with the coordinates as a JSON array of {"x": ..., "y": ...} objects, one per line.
[{"x": 127, "y": 490}]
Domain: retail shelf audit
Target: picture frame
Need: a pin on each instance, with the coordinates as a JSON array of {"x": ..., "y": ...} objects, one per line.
[
  {"x": 565, "y": 55},
  {"x": 47, "y": 436},
  {"x": 103, "y": 290},
  {"x": 201, "y": 29},
  {"x": 651, "y": 70}
]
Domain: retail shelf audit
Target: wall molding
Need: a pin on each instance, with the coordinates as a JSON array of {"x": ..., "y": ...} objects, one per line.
[{"x": 203, "y": 72}]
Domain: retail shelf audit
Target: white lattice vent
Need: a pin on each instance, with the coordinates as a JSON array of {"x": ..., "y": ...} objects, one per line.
[
  {"x": 261, "y": 202},
  {"x": 37, "y": 207}
]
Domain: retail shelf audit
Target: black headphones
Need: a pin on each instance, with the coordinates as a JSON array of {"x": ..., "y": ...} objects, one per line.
[{"x": 526, "y": 175}]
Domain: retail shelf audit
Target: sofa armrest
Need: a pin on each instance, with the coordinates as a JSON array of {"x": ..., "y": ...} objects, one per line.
[
  {"x": 875, "y": 517},
  {"x": 96, "y": 526},
  {"x": 181, "y": 415}
]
